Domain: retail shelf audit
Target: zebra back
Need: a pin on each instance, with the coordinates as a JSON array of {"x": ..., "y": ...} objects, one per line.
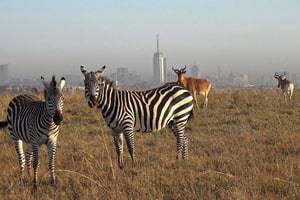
[{"x": 149, "y": 110}]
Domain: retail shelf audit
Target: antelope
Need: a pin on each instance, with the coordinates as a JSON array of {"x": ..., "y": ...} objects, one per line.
[
  {"x": 194, "y": 85},
  {"x": 286, "y": 86}
]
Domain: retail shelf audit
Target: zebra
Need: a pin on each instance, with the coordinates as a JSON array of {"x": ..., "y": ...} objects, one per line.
[
  {"x": 36, "y": 122},
  {"x": 126, "y": 111}
]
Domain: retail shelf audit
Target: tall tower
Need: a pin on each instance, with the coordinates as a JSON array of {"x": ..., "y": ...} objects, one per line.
[
  {"x": 159, "y": 65},
  {"x": 195, "y": 71}
]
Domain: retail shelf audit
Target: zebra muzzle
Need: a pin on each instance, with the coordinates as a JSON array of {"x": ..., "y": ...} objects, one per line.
[
  {"x": 92, "y": 101},
  {"x": 58, "y": 117}
]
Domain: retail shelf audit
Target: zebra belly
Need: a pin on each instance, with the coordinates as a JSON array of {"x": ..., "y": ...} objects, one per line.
[{"x": 137, "y": 127}]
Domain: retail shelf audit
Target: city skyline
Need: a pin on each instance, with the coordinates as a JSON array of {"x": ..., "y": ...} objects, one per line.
[{"x": 56, "y": 37}]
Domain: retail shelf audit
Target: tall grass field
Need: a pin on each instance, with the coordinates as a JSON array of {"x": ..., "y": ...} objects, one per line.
[{"x": 245, "y": 145}]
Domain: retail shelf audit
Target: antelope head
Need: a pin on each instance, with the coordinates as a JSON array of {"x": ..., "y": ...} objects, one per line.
[
  {"x": 280, "y": 78},
  {"x": 181, "y": 75},
  {"x": 181, "y": 71},
  {"x": 276, "y": 75}
]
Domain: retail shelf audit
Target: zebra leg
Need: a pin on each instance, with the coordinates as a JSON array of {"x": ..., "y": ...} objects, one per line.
[
  {"x": 181, "y": 143},
  {"x": 129, "y": 136},
  {"x": 36, "y": 163},
  {"x": 21, "y": 156},
  {"x": 51, "y": 157},
  {"x": 118, "y": 139},
  {"x": 185, "y": 149},
  {"x": 28, "y": 158}
]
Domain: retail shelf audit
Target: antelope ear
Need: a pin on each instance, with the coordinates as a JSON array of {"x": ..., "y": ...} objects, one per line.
[
  {"x": 61, "y": 83},
  {"x": 83, "y": 70},
  {"x": 44, "y": 82}
]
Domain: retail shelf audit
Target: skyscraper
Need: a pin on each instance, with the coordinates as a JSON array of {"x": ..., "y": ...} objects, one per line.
[
  {"x": 159, "y": 66},
  {"x": 195, "y": 71}
]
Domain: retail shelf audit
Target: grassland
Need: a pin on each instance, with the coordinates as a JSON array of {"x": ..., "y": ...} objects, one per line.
[{"x": 246, "y": 145}]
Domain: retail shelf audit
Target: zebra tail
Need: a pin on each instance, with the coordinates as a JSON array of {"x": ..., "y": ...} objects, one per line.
[
  {"x": 3, "y": 124},
  {"x": 191, "y": 115}
]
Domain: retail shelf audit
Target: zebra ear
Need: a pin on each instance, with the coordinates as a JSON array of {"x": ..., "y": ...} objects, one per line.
[
  {"x": 83, "y": 70},
  {"x": 100, "y": 72},
  {"x": 61, "y": 83},
  {"x": 44, "y": 82},
  {"x": 102, "y": 69}
]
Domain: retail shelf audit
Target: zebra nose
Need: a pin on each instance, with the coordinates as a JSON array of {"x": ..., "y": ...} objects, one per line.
[
  {"x": 93, "y": 98},
  {"x": 58, "y": 117}
]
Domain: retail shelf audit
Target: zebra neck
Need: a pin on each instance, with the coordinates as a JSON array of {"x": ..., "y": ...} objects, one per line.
[
  {"x": 106, "y": 100},
  {"x": 45, "y": 114}
]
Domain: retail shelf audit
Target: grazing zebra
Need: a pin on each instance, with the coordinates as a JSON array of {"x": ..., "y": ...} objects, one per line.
[
  {"x": 36, "y": 122},
  {"x": 145, "y": 111}
]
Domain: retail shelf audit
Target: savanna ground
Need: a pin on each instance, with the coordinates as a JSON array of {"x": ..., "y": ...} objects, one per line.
[{"x": 246, "y": 145}]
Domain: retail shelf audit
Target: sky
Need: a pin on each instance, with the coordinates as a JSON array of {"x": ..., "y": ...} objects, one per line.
[{"x": 56, "y": 37}]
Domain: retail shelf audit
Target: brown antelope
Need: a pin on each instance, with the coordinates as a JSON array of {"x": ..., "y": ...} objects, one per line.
[
  {"x": 286, "y": 86},
  {"x": 194, "y": 85}
]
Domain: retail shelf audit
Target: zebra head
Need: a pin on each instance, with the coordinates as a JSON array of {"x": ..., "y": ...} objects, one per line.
[
  {"x": 54, "y": 98},
  {"x": 92, "y": 83}
]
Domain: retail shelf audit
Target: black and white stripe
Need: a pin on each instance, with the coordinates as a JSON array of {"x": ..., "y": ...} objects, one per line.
[
  {"x": 127, "y": 111},
  {"x": 36, "y": 122}
]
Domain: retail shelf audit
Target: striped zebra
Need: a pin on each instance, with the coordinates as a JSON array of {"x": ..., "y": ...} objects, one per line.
[
  {"x": 36, "y": 122},
  {"x": 127, "y": 111}
]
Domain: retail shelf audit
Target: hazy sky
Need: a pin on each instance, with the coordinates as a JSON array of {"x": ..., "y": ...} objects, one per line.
[{"x": 56, "y": 37}]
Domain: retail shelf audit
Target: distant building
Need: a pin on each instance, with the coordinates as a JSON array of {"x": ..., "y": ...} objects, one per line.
[
  {"x": 72, "y": 80},
  {"x": 4, "y": 75},
  {"x": 195, "y": 72},
  {"x": 123, "y": 79},
  {"x": 159, "y": 66},
  {"x": 240, "y": 80},
  {"x": 296, "y": 79},
  {"x": 122, "y": 76},
  {"x": 134, "y": 79},
  {"x": 171, "y": 76}
]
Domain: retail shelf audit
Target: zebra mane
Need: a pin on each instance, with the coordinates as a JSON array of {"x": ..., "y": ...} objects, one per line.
[
  {"x": 53, "y": 81},
  {"x": 108, "y": 82}
]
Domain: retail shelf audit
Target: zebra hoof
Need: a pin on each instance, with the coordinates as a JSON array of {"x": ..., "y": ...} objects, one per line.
[
  {"x": 34, "y": 189},
  {"x": 121, "y": 166}
]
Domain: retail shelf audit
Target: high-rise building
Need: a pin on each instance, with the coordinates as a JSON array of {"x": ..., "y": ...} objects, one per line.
[
  {"x": 122, "y": 76},
  {"x": 159, "y": 66},
  {"x": 195, "y": 72},
  {"x": 4, "y": 75}
]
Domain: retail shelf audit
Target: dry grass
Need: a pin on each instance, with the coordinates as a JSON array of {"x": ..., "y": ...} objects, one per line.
[{"x": 244, "y": 146}]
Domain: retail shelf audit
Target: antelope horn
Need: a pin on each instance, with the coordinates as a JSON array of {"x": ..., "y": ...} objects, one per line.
[
  {"x": 276, "y": 75},
  {"x": 183, "y": 70},
  {"x": 175, "y": 70}
]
